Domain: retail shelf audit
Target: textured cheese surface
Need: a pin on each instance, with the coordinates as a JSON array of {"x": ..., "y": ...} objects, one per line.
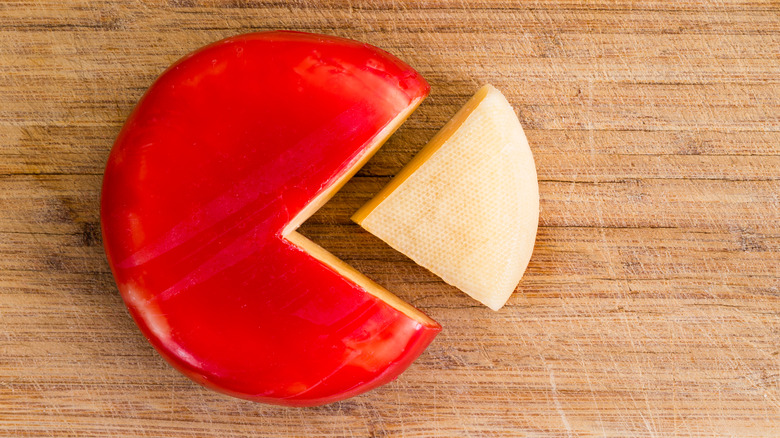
[{"x": 467, "y": 207}]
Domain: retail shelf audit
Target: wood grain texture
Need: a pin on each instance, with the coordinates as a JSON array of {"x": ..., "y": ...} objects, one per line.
[{"x": 651, "y": 306}]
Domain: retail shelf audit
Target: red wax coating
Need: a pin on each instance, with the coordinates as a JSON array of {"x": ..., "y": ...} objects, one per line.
[{"x": 226, "y": 147}]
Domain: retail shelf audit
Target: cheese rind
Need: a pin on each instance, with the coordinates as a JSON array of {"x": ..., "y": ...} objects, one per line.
[{"x": 467, "y": 206}]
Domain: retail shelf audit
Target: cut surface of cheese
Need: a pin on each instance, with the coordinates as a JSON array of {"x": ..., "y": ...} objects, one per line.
[{"x": 467, "y": 206}]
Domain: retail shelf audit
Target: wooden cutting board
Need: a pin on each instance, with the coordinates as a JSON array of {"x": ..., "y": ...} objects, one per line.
[{"x": 651, "y": 306}]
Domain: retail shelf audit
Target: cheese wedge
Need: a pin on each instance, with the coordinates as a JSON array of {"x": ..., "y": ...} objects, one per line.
[{"x": 467, "y": 206}]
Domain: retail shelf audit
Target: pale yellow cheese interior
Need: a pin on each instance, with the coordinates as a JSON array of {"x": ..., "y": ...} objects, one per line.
[{"x": 467, "y": 206}]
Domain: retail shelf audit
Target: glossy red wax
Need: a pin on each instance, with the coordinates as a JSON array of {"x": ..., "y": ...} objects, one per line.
[{"x": 226, "y": 147}]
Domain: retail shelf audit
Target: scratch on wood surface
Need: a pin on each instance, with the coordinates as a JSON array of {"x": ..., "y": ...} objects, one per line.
[{"x": 558, "y": 406}]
